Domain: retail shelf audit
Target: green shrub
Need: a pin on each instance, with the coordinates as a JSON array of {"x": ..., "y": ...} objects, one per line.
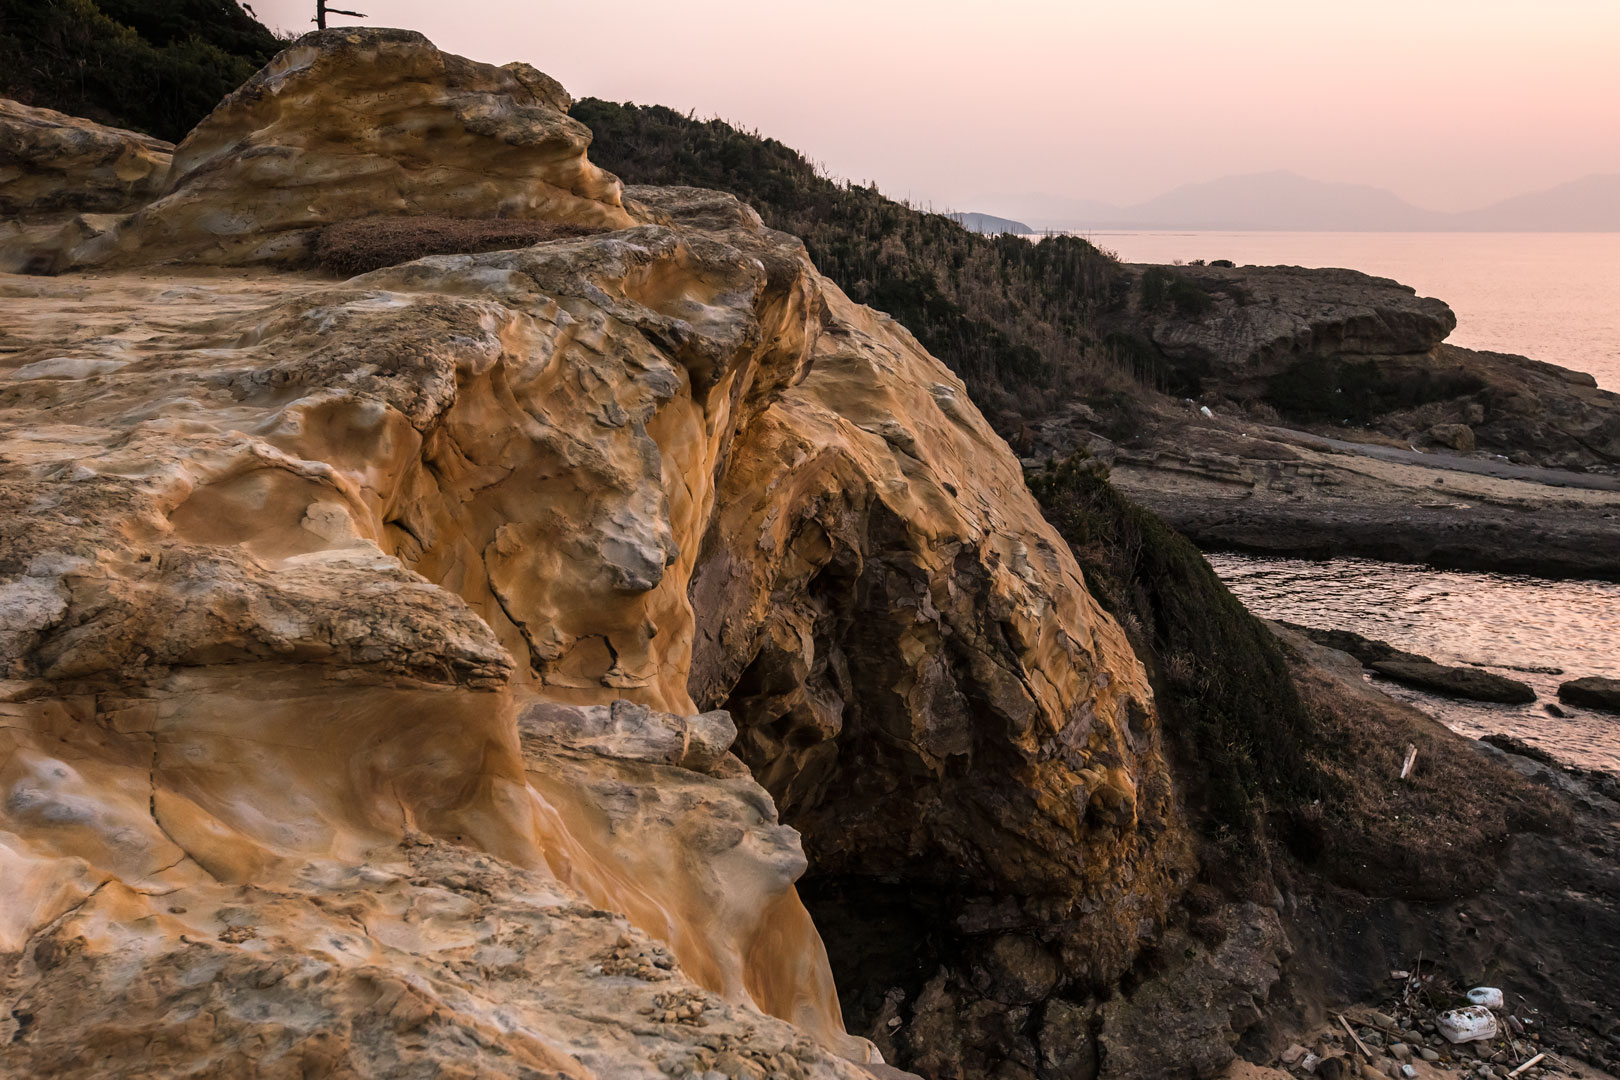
[
  {"x": 1015, "y": 318},
  {"x": 1161, "y": 285},
  {"x": 1227, "y": 699},
  {"x": 157, "y": 66}
]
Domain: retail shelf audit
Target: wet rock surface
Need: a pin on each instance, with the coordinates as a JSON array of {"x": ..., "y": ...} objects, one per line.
[
  {"x": 1367, "y": 650},
  {"x": 1593, "y": 691},
  {"x": 1465, "y": 682}
]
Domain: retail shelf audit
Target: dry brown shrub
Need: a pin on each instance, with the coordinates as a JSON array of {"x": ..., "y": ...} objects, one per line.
[{"x": 364, "y": 244}]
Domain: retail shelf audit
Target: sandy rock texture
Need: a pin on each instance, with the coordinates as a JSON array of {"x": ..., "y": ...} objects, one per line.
[
  {"x": 373, "y": 650},
  {"x": 52, "y": 162},
  {"x": 349, "y": 124}
]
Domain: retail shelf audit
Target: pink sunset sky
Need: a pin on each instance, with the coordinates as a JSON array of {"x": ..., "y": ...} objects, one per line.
[{"x": 1449, "y": 103}]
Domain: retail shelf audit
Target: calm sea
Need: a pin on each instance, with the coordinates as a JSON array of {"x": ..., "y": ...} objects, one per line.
[
  {"x": 1522, "y": 627},
  {"x": 1548, "y": 296}
]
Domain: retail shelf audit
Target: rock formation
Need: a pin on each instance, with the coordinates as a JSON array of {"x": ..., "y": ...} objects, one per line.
[
  {"x": 1338, "y": 347},
  {"x": 51, "y": 162},
  {"x": 1593, "y": 691},
  {"x": 350, "y": 127},
  {"x": 367, "y": 644},
  {"x": 1255, "y": 322}
]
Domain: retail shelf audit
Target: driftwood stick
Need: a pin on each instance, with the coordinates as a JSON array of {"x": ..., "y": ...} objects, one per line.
[
  {"x": 1411, "y": 760},
  {"x": 1526, "y": 1065},
  {"x": 1352, "y": 1033}
]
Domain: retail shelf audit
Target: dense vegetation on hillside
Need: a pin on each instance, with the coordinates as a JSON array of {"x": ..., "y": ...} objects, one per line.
[
  {"x": 157, "y": 66},
  {"x": 1017, "y": 320},
  {"x": 1220, "y": 678}
]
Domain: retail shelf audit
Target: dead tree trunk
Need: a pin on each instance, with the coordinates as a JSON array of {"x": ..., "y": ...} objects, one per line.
[{"x": 322, "y": 11}]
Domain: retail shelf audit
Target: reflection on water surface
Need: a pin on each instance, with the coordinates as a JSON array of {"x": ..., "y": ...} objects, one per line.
[{"x": 1510, "y": 624}]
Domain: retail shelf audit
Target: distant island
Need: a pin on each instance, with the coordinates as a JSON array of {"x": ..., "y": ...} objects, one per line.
[
  {"x": 1285, "y": 201},
  {"x": 990, "y": 225}
]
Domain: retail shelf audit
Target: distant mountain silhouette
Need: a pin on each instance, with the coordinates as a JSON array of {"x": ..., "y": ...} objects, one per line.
[
  {"x": 1286, "y": 201},
  {"x": 1590, "y": 204},
  {"x": 989, "y": 224}
]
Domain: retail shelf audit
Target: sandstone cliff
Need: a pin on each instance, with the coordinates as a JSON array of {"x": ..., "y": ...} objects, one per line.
[{"x": 368, "y": 644}]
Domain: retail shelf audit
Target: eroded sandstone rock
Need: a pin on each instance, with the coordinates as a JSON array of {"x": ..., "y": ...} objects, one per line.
[
  {"x": 52, "y": 163},
  {"x": 355, "y": 632},
  {"x": 356, "y": 123}
]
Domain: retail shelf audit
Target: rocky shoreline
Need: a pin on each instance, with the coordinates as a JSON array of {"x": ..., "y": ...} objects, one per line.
[
  {"x": 620, "y": 655},
  {"x": 1323, "y": 416}
]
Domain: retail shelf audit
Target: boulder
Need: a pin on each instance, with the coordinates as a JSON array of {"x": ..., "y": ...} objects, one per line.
[
  {"x": 1259, "y": 321},
  {"x": 1463, "y": 682},
  {"x": 356, "y": 123},
  {"x": 1459, "y": 437},
  {"x": 1368, "y": 650},
  {"x": 1594, "y": 692},
  {"x": 52, "y": 163}
]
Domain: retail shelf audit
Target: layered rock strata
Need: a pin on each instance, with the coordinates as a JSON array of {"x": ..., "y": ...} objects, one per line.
[
  {"x": 353, "y": 125},
  {"x": 1336, "y": 349},
  {"x": 358, "y": 635},
  {"x": 54, "y": 163}
]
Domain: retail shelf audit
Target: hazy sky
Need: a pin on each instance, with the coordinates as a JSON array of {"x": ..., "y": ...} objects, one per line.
[{"x": 1450, "y": 103}]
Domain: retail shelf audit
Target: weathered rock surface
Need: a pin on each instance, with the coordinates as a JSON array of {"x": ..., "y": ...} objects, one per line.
[
  {"x": 1464, "y": 682},
  {"x": 349, "y": 124},
  {"x": 53, "y": 163},
  {"x": 364, "y": 642},
  {"x": 1182, "y": 1024},
  {"x": 1234, "y": 483},
  {"x": 1263, "y": 320},
  {"x": 1593, "y": 691},
  {"x": 1367, "y": 650},
  {"x": 1335, "y": 348}
]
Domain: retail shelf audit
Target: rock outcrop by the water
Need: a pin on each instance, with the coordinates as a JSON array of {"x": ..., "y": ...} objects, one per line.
[
  {"x": 1337, "y": 348},
  {"x": 1367, "y": 650},
  {"x": 1463, "y": 682},
  {"x": 372, "y": 648},
  {"x": 1592, "y": 691},
  {"x": 1239, "y": 326}
]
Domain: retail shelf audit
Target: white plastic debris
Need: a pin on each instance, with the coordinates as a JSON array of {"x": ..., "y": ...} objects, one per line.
[
  {"x": 1467, "y": 1024},
  {"x": 1488, "y": 996},
  {"x": 1205, "y": 410}
]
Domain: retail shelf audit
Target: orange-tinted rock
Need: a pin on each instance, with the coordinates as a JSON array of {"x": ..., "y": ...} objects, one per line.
[
  {"x": 51, "y": 163},
  {"x": 356, "y": 635}
]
